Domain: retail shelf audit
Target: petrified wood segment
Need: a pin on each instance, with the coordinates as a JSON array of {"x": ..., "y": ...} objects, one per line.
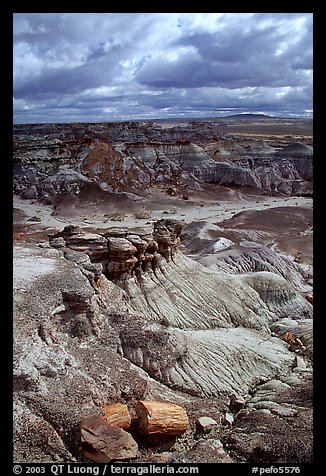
[
  {"x": 161, "y": 418},
  {"x": 117, "y": 414}
]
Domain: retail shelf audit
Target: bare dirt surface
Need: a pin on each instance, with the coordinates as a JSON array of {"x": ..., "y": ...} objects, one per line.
[
  {"x": 282, "y": 223},
  {"x": 124, "y": 212}
]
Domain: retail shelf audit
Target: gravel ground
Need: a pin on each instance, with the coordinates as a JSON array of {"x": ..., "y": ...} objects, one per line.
[{"x": 212, "y": 212}]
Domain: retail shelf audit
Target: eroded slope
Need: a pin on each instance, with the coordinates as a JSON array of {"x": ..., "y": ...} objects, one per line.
[{"x": 107, "y": 317}]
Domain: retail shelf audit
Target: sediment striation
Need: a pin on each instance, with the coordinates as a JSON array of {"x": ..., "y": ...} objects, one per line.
[
  {"x": 124, "y": 315},
  {"x": 130, "y": 157}
]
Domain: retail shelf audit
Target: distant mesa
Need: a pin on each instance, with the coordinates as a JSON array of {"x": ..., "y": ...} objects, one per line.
[
  {"x": 298, "y": 148},
  {"x": 247, "y": 115}
]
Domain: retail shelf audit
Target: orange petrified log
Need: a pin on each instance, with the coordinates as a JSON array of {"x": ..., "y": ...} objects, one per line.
[
  {"x": 117, "y": 414},
  {"x": 294, "y": 342},
  {"x": 161, "y": 418},
  {"x": 310, "y": 298}
]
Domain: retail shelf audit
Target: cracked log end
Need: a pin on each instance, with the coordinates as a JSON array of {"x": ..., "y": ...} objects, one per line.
[
  {"x": 161, "y": 418},
  {"x": 117, "y": 414}
]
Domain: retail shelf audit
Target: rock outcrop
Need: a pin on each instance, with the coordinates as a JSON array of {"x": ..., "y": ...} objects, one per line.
[
  {"x": 272, "y": 425},
  {"x": 161, "y": 282},
  {"x": 94, "y": 245},
  {"x": 257, "y": 241},
  {"x": 204, "y": 363},
  {"x": 167, "y": 288},
  {"x": 102, "y": 442}
]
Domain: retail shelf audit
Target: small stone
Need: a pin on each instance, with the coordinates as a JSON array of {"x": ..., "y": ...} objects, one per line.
[
  {"x": 310, "y": 298},
  {"x": 299, "y": 362},
  {"x": 228, "y": 419},
  {"x": 58, "y": 242},
  {"x": 236, "y": 402},
  {"x": 43, "y": 244},
  {"x": 30, "y": 192},
  {"x": 206, "y": 423},
  {"x": 61, "y": 308}
]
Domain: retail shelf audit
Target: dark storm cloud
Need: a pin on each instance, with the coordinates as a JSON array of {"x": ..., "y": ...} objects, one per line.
[
  {"x": 98, "y": 68},
  {"x": 143, "y": 65},
  {"x": 232, "y": 46},
  {"x": 232, "y": 59}
]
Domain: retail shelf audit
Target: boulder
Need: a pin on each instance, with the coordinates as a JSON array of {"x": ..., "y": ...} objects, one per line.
[
  {"x": 102, "y": 442},
  {"x": 30, "y": 192}
]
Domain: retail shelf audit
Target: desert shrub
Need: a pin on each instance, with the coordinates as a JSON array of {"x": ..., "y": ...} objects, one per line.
[
  {"x": 142, "y": 216},
  {"x": 115, "y": 216}
]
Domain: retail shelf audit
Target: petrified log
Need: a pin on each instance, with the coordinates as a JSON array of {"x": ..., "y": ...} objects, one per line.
[
  {"x": 102, "y": 442},
  {"x": 295, "y": 342},
  {"x": 117, "y": 414},
  {"x": 161, "y": 418},
  {"x": 310, "y": 298}
]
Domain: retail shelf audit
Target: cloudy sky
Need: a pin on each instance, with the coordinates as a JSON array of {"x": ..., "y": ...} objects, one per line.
[{"x": 71, "y": 67}]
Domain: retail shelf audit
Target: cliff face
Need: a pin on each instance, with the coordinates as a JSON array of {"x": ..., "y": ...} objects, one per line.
[{"x": 134, "y": 156}]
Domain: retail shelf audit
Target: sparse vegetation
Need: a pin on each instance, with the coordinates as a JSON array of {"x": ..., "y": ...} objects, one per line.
[
  {"x": 170, "y": 211},
  {"x": 115, "y": 216},
  {"x": 142, "y": 216}
]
